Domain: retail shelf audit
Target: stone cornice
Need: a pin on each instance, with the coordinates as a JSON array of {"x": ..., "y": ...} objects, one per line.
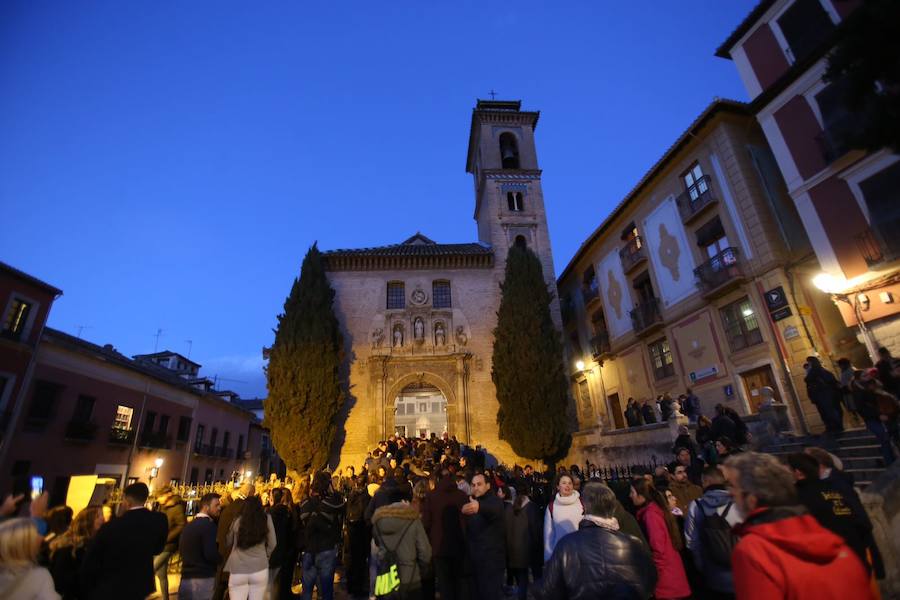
[{"x": 408, "y": 263}]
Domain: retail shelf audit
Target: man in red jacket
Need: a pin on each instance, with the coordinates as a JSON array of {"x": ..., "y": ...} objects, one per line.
[{"x": 783, "y": 552}]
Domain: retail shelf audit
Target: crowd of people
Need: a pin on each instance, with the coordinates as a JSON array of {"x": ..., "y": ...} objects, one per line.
[{"x": 429, "y": 517}]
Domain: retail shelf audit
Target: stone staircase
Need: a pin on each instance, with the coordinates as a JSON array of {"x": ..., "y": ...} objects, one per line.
[{"x": 857, "y": 448}]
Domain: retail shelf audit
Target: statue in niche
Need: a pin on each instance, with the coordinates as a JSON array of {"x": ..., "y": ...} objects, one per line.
[
  {"x": 614, "y": 293},
  {"x": 377, "y": 338},
  {"x": 398, "y": 336},
  {"x": 461, "y": 338},
  {"x": 669, "y": 251},
  {"x": 440, "y": 338},
  {"x": 419, "y": 328}
]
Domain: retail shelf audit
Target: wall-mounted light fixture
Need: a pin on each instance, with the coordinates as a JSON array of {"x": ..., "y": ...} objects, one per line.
[{"x": 863, "y": 301}]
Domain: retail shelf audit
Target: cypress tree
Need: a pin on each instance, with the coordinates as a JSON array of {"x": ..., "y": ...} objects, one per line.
[
  {"x": 305, "y": 392},
  {"x": 527, "y": 370}
]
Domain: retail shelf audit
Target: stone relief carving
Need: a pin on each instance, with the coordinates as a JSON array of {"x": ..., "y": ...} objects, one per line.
[
  {"x": 669, "y": 252},
  {"x": 398, "y": 336},
  {"x": 418, "y": 297},
  {"x": 614, "y": 294},
  {"x": 440, "y": 337},
  {"x": 461, "y": 338}
]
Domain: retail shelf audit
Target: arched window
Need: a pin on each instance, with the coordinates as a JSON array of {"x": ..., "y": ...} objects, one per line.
[
  {"x": 520, "y": 241},
  {"x": 515, "y": 201},
  {"x": 509, "y": 151}
]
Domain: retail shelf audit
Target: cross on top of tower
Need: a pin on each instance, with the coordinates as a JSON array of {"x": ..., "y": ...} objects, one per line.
[{"x": 493, "y": 94}]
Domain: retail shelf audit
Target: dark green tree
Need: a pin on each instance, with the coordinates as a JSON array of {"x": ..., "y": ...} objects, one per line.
[
  {"x": 305, "y": 391},
  {"x": 528, "y": 370},
  {"x": 866, "y": 62}
]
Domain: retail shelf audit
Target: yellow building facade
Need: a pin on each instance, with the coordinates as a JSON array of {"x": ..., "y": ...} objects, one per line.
[{"x": 700, "y": 278}]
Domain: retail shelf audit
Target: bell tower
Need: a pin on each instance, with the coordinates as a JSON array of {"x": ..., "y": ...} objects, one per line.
[{"x": 509, "y": 202}]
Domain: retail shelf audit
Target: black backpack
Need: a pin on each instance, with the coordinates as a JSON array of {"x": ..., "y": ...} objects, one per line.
[
  {"x": 387, "y": 573},
  {"x": 716, "y": 536}
]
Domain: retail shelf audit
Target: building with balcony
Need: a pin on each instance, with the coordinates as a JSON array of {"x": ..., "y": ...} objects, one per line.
[
  {"x": 78, "y": 408},
  {"x": 848, "y": 199},
  {"x": 26, "y": 303},
  {"x": 698, "y": 279}
]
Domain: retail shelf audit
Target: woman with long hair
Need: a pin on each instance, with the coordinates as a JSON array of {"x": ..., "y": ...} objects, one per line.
[
  {"x": 563, "y": 513},
  {"x": 67, "y": 550},
  {"x": 20, "y": 576},
  {"x": 252, "y": 540},
  {"x": 664, "y": 537}
]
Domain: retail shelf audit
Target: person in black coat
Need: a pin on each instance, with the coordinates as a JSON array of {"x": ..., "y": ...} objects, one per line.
[
  {"x": 119, "y": 564},
  {"x": 485, "y": 539},
  {"x": 442, "y": 519},
  {"x": 633, "y": 414},
  {"x": 598, "y": 560},
  {"x": 647, "y": 413},
  {"x": 824, "y": 391},
  {"x": 199, "y": 552},
  {"x": 67, "y": 550},
  {"x": 282, "y": 521},
  {"x": 835, "y": 509},
  {"x": 524, "y": 540},
  {"x": 723, "y": 425}
]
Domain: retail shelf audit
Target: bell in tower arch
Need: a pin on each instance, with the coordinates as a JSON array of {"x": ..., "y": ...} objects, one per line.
[{"x": 509, "y": 151}]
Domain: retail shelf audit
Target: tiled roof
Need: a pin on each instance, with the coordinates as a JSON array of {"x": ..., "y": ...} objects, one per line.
[
  {"x": 417, "y": 252},
  {"x": 744, "y": 26},
  {"x": 29, "y": 278},
  {"x": 417, "y": 245},
  {"x": 716, "y": 106}
]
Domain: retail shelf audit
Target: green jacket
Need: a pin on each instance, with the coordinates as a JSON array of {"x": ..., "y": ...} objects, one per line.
[{"x": 413, "y": 550}]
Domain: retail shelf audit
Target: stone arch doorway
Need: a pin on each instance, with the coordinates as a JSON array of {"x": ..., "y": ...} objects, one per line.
[
  {"x": 420, "y": 409},
  {"x": 451, "y": 384}
]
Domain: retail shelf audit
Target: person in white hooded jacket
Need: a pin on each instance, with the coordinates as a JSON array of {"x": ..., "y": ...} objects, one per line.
[{"x": 563, "y": 514}]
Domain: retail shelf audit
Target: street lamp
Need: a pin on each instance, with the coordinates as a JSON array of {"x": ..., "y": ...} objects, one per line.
[
  {"x": 579, "y": 365},
  {"x": 828, "y": 283}
]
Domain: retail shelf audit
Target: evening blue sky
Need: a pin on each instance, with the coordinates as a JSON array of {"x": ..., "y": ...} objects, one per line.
[{"x": 168, "y": 164}]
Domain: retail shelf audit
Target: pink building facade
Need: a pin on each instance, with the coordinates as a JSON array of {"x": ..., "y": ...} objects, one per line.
[
  {"x": 71, "y": 407},
  {"x": 847, "y": 198}
]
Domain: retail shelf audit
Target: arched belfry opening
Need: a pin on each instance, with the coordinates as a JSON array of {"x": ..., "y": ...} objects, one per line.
[
  {"x": 520, "y": 241},
  {"x": 509, "y": 151},
  {"x": 420, "y": 409}
]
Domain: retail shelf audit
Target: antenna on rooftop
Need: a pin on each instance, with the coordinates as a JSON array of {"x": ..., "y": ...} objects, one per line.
[
  {"x": 82, "y": 328},
  {"x": 216, "y": 379},
  {"x": 156, "y": 344},
  {"x": 190, "y": 344}
]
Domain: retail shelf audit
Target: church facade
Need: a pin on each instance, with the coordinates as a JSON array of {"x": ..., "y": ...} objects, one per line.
[{"x": 418, "y": 316}]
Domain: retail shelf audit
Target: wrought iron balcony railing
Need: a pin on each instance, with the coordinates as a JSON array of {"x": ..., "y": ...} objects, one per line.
[
  {"x": 646, "y": 315},
  {"x": 633, "y": 253},
  {"x": 695, "y": 199},
  {"x": 600, "y": 345},
  {"x": 720, "y": 271}
]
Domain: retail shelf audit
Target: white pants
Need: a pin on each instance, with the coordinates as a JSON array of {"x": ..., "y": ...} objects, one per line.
[{"x": 242, "y": 586}]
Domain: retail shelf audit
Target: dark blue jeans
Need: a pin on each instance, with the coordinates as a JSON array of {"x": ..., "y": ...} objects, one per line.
[
  {"x": 318, "y": 569},
  {"x": 879, "y": 430}
]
